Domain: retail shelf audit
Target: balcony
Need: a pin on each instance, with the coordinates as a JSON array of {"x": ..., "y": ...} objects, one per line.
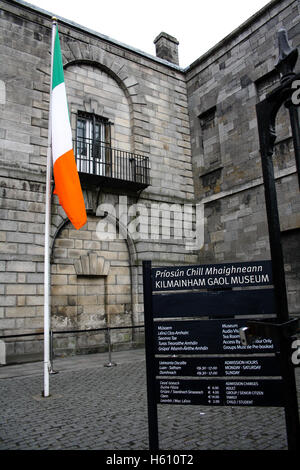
[{"x": 101, "y": 165}]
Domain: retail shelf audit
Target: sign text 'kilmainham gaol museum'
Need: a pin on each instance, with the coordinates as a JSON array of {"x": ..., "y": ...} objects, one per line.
[{"x": 170, "y": 165}]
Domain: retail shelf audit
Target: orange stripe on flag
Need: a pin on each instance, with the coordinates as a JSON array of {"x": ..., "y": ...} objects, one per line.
[{"x": 68, "y": 189}]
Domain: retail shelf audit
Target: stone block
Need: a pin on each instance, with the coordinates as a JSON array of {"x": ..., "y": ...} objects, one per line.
[
  {"x": 123, "y": 280},
  {"x": 2, "y": 353},
  {"x": 21, "y": 266},
  {"x": 59, "y": 279},
  {"x": 8, "y": 300},
  {"x": 35, "y": 278},
  {"x": 8, "y": 278},
  {"x": 34, "y": 300},
  {"x": 64, "y": 290},
  {"x": 20, "y": 312},
  {"x": 87, "y": 300},
  {"x": 20, "y": 289},
  {"x": 65, "y": 269}
]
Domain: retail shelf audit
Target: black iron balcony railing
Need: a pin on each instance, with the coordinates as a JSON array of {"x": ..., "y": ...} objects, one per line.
[{"x": 95, "y": 158}]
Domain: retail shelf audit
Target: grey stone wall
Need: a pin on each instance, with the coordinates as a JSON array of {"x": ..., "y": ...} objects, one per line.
[
  {"x": 198, "y": 128},
  {"x": 145, "y": 99},
  {"x": 223, "y": 87}
]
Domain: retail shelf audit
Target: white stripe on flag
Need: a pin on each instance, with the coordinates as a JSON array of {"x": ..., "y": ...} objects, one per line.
[{"x": 61, "y": 129}]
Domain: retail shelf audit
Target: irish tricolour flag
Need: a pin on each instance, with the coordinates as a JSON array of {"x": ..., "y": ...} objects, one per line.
[{"x": 67, "y": 183}]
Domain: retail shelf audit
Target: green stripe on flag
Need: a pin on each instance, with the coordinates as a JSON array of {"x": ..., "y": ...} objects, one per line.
[{"x": 58, "y": 71}]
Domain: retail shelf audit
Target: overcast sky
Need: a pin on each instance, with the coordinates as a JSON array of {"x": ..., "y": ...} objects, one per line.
[{"x": 197, "y": 24}]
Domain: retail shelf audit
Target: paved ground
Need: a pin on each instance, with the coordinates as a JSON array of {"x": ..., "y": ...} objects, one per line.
[{"x": 93, "y": 407}]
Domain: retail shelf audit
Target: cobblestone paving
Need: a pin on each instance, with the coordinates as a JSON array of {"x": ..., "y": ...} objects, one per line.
[{"x": 105, "y": 409}]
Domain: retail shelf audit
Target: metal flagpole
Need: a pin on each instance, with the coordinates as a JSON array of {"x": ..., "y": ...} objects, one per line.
[{"x": 46, "y": 392}]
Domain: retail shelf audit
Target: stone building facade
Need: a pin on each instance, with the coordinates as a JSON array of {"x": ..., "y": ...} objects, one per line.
[
  {"x": 152, "y": 140},
  {"x": 223, "y": 89}
]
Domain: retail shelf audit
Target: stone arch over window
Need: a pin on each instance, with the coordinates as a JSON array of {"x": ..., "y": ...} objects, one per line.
[
  {"x": 75, "y": 54},
  {"x": 93, "y": 91}
]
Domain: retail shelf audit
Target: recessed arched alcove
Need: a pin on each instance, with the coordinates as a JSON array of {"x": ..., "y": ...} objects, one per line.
[{"x": 93, "y": 285}]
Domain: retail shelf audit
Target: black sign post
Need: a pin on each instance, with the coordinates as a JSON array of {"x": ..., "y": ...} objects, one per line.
[
  {"x": 193, "y": 360},
  {"x": 267, "y": 111},
  {"x": 149, "y": 341}
]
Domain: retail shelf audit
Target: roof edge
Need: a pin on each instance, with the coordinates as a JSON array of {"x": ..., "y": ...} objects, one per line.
[
  {"x": 146, "y": 55},
  {"x": 231, "y": 35},
  {"x": 108, "y": 39}
]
